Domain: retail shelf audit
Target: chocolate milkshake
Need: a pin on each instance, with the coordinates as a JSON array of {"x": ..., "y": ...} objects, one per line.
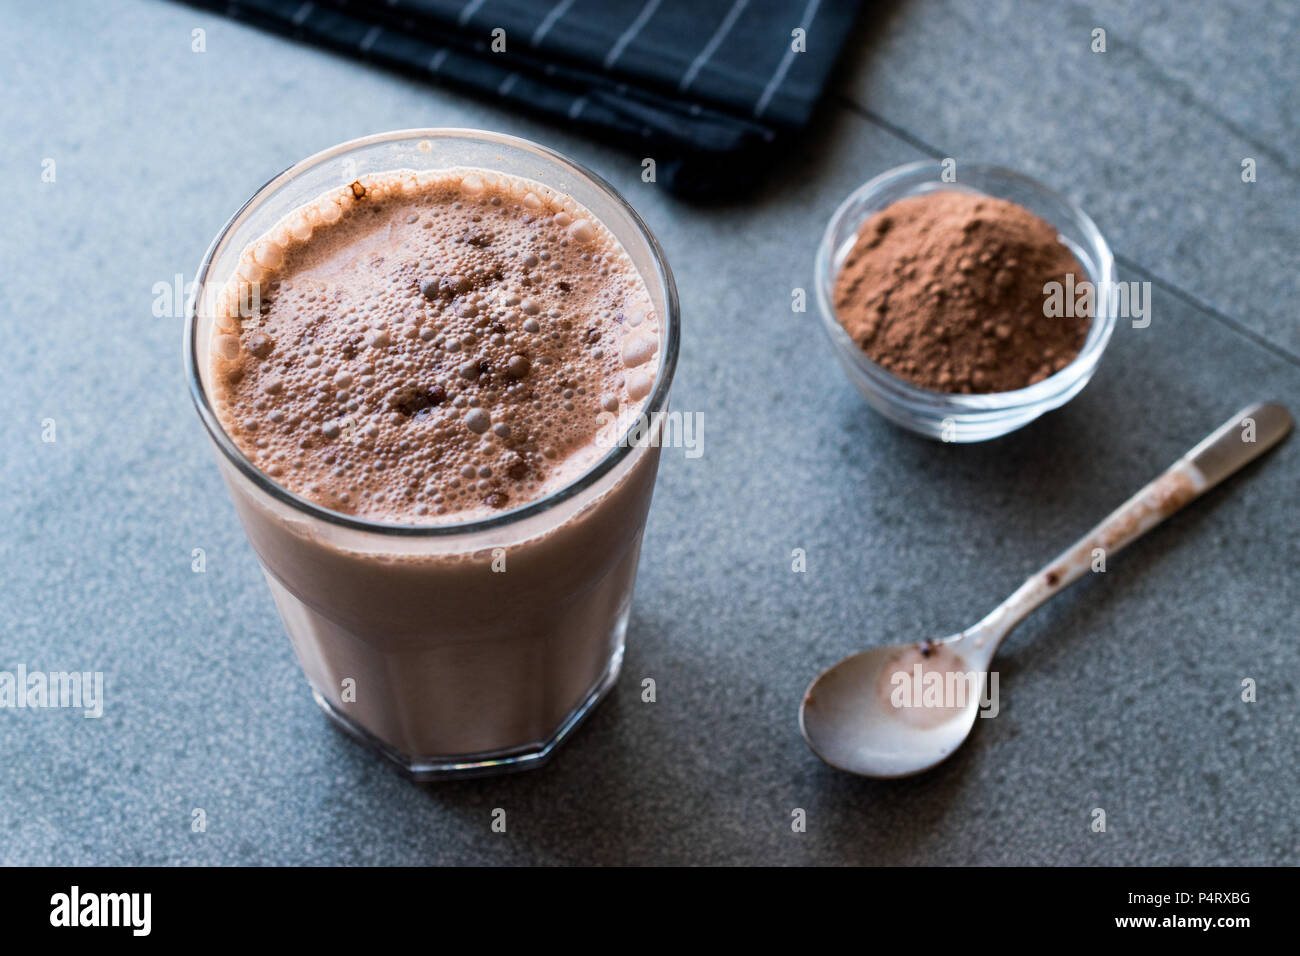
[{"x": 421, "y": 394}]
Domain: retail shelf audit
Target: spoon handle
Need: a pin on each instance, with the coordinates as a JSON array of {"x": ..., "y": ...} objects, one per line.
[{"x": 1238, "y": 441}]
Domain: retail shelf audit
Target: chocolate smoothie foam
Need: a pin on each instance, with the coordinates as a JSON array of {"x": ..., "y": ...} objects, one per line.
[
  {"x": 433, "y": 349},
  {"x": 436, "y": 350}
]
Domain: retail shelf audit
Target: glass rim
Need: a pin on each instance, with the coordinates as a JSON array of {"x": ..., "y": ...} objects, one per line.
[
  {"x": 655, "y": 402},
  {"x": 1099, "y": 333}
]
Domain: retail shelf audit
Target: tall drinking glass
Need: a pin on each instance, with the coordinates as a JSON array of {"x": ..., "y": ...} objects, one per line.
[{"x": 454, "y": 649}]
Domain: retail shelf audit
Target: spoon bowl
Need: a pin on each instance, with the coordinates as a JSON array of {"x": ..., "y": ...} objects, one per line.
[{"x": 894, "y": 711}]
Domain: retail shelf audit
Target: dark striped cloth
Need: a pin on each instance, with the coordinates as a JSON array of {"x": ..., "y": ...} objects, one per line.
[{"x": 706, "y": 87}]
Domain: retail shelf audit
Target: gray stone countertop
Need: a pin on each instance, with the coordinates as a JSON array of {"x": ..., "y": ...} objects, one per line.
[{"x": 1123, "y": 694}]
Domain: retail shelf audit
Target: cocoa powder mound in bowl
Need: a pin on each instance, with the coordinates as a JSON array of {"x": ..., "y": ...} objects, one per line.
[
  {"x": 945, "y": 289},
  {"x": 965, "y": 364}
]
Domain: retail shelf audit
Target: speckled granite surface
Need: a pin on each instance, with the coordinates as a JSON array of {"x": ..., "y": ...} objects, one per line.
[{"x": 1122, "y": 694}]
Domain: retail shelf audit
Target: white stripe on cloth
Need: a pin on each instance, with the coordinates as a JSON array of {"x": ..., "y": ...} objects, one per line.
[
  {"x": 468, "y": 11},
  {"x": 714, "y": 42},
  {"x": 773, "y": 84},
  {"x": 630, "y": 33},
  {"x": 548, "y": 21}
]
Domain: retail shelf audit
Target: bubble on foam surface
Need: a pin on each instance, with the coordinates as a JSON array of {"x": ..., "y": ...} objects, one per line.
[{"x": 432, "y": 346}]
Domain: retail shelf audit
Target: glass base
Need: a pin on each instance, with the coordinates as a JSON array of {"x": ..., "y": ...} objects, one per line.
[{"x": 425, "y": 769}]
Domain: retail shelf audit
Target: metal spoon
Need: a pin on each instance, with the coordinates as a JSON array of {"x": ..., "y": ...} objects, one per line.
[{"x": 881, "y": 713}]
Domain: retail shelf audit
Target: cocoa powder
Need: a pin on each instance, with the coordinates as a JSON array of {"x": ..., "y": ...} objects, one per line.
[{"x": 945, "y": 290}]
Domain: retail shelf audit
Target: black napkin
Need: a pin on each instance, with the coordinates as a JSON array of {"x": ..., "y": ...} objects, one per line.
[{"x": 705, "y": 87}]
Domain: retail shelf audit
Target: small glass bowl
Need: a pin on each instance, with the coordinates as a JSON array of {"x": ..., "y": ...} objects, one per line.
[{"x": 945, "y": 415}]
